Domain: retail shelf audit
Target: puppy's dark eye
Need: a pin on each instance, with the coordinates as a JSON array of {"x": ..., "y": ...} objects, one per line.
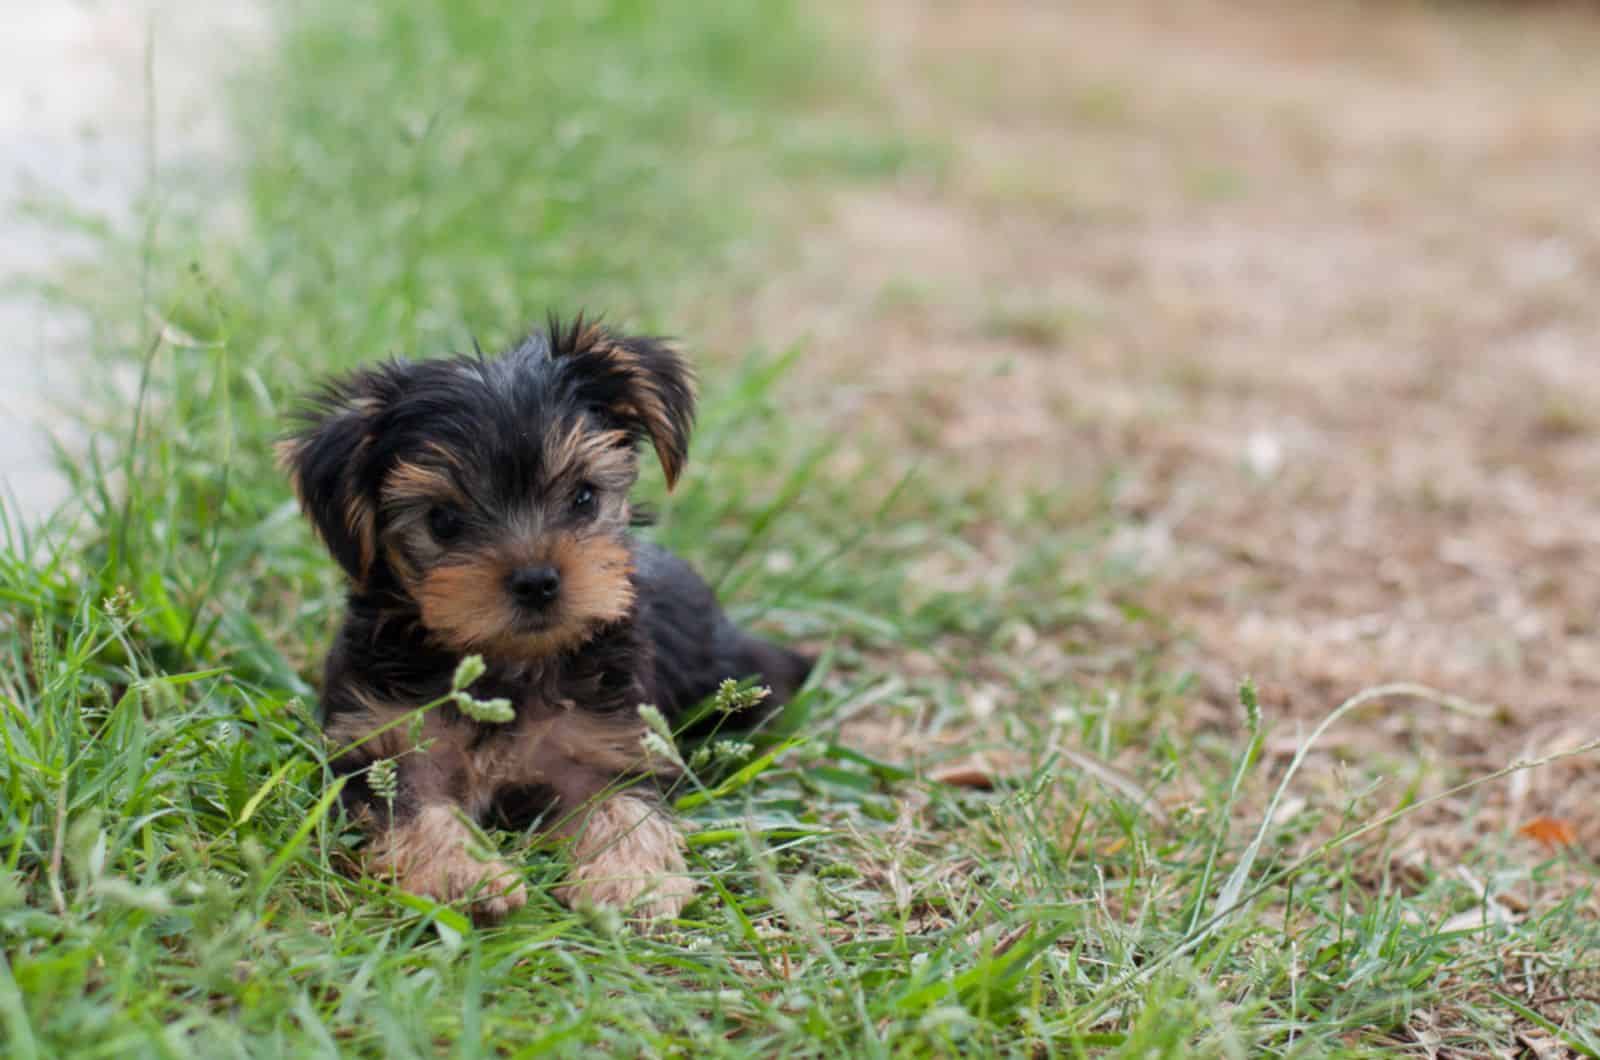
[
  {"x": 444, "y": 523},
  {"x": 583, "y": 500}
]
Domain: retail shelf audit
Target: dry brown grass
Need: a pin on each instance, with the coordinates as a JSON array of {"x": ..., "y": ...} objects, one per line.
[{"x": 1316, "y": 280}]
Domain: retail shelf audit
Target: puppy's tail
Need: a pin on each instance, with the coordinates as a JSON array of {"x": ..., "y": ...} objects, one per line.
[
  {"x": 782, "y": 670},
  {"x": 778, "y": 668}
]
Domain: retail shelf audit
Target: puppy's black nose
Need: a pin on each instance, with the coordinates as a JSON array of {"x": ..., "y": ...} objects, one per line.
[{"x": 534, "y": 587}]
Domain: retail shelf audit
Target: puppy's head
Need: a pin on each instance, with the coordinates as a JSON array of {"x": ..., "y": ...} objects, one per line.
[{"x": 493, "y": 493}]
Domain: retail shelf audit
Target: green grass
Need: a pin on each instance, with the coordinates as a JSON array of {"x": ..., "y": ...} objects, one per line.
[{"x": 419, "y": 173}]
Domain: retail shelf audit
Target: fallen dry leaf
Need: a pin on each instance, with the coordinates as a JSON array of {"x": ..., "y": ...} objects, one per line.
[
  {"x": 964, "y": 775},
  {"x": 1549, "y": 832}
]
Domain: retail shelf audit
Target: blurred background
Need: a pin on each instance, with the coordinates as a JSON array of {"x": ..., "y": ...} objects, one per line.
[
  {"x": 92, "y": 114},
  {"x": 1064, "y": 362}
]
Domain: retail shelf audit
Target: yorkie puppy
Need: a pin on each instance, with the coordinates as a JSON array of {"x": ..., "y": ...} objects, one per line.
[{"x": 480, "y": 507}]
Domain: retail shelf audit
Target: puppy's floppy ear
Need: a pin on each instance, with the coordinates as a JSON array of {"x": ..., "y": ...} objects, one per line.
[
  {"x": 639, "y": 383},
  {"x": 328, "y": 460}
]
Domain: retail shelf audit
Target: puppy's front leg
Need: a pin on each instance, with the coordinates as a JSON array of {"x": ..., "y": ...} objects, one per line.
[
  {"x": 420, "y": 839},
  {"x": 627, "y": 853},
  {"x": 430, "y": 852}
]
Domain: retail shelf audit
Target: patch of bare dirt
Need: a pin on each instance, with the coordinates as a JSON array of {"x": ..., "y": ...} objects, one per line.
[{"x": 1317, "y": 280}]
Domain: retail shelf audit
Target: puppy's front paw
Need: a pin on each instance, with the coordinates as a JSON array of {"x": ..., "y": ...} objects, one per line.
[
  {"x": 629, "y": 856},
  {"x": 648, "y": 894},
  {"x": 495, "y": 890},
  {"x": 430, "y": 855}
]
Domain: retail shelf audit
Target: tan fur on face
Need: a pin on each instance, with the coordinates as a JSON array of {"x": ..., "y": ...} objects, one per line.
[
  {"x": 431, "y": 854},
  {"x": 466, "y": 604},
  {"x": 604, "y": 458},
  {"x": 596, "y": 582},
  {"x": 628, "y": 854},
  {"x": 447, "y": 454},
  {"x": 417, "y": 482}
]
